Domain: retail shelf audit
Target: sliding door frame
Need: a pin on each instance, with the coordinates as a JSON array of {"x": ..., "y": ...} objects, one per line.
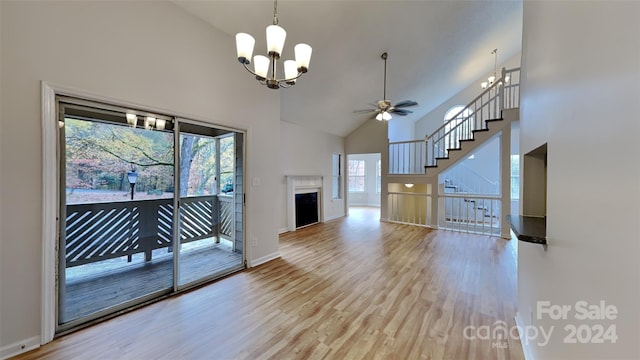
[{"x": 51, "y": 182}]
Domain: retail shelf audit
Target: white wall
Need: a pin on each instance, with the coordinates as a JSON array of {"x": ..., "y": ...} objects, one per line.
[
  {"x": 580, "y": 88},
  {"x": 308, "y": 152},
  {"x": 370, "y": 196},
  {"x": 434, "y": 119},
  {"x": 484, "y": 163},
  {"x": 149, "y": 53},
  {"x": 402, "y": 129}
]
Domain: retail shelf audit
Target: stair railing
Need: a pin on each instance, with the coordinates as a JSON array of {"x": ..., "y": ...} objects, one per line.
[
  {"x": 467, "y": 180},
  {"x": 407, "y": 157},
  {"x": 411, "y": 157},
  {"x": 486, "y": 106}
]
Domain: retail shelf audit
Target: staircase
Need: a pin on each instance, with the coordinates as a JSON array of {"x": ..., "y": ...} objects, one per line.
[
  {"x": 480, "y": 120},
  {"x": 421, "y": 161}
]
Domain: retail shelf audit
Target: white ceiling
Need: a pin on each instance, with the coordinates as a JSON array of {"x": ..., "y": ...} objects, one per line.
[{"x": 436, "y": 49}]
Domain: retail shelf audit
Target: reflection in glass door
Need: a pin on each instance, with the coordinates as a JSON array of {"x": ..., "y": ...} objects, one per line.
[
  {"x": 116, "y": 205},
  {"x": 210, "y": 176}
]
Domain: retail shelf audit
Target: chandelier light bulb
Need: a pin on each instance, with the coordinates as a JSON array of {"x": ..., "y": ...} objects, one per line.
[
  {"x": 275, "y": 40},
  {"x": 303, "y": 56},
  {"x": 132, "y": 119},
  {"x": 244, "y": 47}
]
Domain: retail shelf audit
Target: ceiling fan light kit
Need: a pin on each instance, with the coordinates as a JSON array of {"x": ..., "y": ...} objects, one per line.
[
  {"x": 384, "y": 109},
  {"x": 265, "y": 67}
]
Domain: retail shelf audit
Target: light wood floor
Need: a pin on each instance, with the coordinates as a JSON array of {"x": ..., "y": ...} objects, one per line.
[{"x": 352, "y": 288}]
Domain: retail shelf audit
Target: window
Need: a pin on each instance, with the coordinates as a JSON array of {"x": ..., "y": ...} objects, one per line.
[
  {"x": 336, "y": 173},
  {"x": 356, "y": 175},
  {"x": 378, "y": 176},
  {"x": 454, "y": 132},
  {"x": 515, "y": 177}
]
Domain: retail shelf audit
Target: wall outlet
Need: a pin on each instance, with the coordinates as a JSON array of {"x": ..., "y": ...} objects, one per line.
[{"x": 254, "y": 242}]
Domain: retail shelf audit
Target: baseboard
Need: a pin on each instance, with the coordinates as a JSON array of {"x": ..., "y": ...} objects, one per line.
[
  {"x": 283, "y": 230},
  {"x": 528, "y": 355},
  {"x": 19, "y": 347},
  {"x": 264, "y": 259}
]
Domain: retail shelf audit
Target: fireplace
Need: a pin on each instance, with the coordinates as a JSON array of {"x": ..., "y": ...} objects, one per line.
[
  {"x": 304, "y": 201},
  {"x": 306, "y": 209}
]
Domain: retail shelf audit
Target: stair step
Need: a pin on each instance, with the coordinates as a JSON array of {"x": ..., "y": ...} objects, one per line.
[{"x": 485, "y": 129}]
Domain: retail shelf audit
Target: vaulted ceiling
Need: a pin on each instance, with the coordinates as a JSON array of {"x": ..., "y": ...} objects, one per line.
[{"x": 436, "y": 49}]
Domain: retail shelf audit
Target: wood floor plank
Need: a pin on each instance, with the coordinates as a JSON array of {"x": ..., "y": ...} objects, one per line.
[{"x": 353, "y": 288}]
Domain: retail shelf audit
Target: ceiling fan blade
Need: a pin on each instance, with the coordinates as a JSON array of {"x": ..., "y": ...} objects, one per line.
[
  {"x": 361, "y": 111},
  {"x": 401, "y": 112},
  {"x": 405, "y": 103}
]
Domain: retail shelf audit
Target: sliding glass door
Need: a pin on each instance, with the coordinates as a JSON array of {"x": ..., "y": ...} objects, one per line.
[
  {"x": 123, "y": 202},
  {"x": 117, "y": 206},
  {"x": 208, "y": 244}
]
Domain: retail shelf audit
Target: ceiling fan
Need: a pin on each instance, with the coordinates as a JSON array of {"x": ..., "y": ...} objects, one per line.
[{"x": 384, "y": 109}]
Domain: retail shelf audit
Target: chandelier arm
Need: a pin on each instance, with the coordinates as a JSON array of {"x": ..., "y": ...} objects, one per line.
[
  {"x": 280, "y": 81},
  {"x": 253, "y": 72}
]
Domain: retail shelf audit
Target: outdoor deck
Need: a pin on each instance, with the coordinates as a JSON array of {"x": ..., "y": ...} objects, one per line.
[
  {"x": 116, "y": 252},
  {"x": 93, "y": 287}
]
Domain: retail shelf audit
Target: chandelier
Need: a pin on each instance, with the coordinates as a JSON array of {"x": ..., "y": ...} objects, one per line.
[
  {"x": 491, "y": 79},
  {"x": 265, "y": 67}
]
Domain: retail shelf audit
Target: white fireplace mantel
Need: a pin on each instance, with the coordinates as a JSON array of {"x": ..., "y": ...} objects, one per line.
[{"x": 301, "y": 184}]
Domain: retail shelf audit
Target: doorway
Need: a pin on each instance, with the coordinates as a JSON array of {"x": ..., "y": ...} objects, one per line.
[
  {"x": 130, "y": 183},
  {"x": 364, "y": 180}
]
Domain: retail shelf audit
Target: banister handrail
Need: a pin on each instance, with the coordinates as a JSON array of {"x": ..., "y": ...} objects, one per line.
[
  {"x": 406, "y": 141},
  {"x": 468, "y": 106}
]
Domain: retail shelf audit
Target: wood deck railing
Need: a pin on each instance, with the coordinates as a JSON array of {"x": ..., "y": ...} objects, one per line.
[{"x": 101, "y": 231}]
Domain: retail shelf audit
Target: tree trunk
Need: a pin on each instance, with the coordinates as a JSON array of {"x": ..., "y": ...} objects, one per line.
[{"x": 186, "y": 156}]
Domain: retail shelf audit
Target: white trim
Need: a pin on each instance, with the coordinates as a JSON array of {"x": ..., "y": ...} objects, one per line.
[
  {"x": 264, "y": 259},
  {"x": 49, "y": 212},
  {"x": 283, "y": 230},
  {"x": 302, "y": 184},
  {"x": 19, "y": 347},
  {"x": 526, "y": 349}
]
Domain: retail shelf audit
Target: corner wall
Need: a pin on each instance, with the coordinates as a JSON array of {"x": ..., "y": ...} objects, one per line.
[
  {"x": 150, "y": 53},
  {"x": 580, "y": 90}
]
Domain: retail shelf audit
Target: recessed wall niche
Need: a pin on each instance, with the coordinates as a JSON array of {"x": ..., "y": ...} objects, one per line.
[{"x": 534, "y": 182}]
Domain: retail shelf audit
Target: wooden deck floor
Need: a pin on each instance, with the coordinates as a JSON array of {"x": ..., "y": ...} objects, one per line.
[
  {"x": 117, "y": 284},
  {"x": 352, "y": 288}
]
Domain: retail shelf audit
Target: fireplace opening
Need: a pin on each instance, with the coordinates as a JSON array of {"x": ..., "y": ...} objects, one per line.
[{"x": 306, "y": 209}]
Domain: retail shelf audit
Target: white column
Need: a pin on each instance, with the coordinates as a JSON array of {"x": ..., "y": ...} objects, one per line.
[{"x": 505, "y": 180}]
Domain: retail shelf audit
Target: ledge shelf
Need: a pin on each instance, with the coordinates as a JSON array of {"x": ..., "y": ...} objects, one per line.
[{"x": 529, "y": 229}]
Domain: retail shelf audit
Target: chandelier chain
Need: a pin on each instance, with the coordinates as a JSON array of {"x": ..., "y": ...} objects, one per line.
[{"x": 275, "y": 12}]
